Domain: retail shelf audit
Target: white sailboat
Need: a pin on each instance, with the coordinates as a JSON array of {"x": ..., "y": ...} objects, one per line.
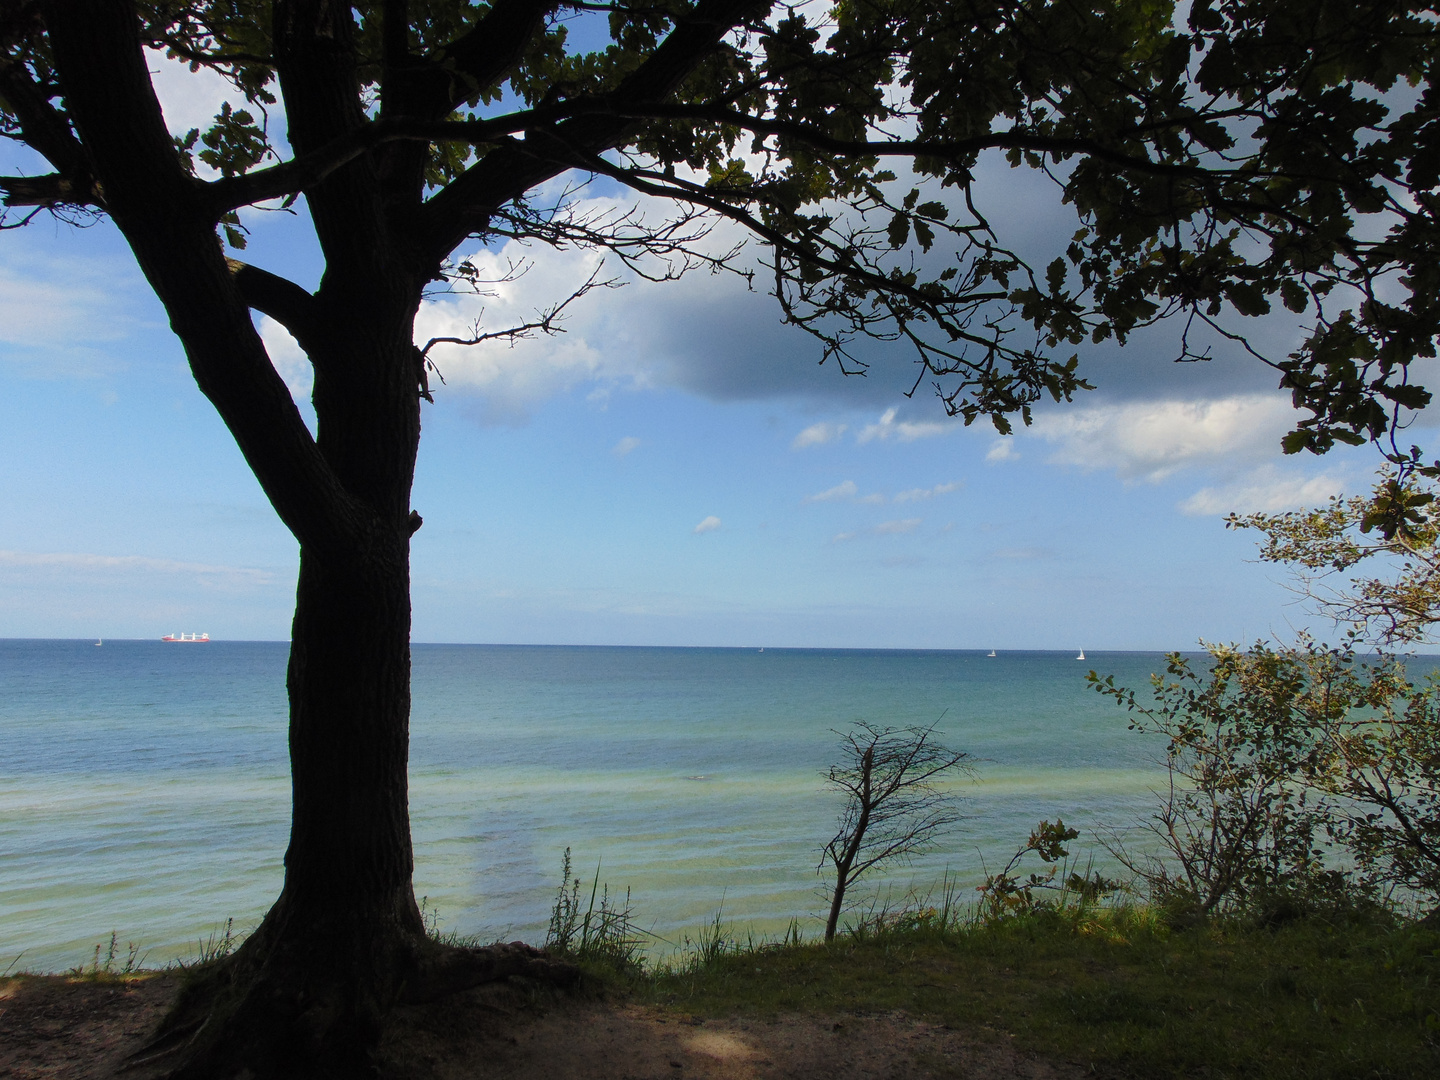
[
  {"x": 990, "y": 653},
  {"x": 99, "y": 642},
  {"x": 1081, "y": 656}
]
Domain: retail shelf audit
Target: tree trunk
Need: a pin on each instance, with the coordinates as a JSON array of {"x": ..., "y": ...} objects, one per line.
[
  {"x": 844, "y": 857},
  {"x": 345, "y": 936},
  {"x": 307, "y": 992}
]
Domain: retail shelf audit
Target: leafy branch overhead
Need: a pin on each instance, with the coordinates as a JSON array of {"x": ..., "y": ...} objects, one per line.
[
  {"x": 1369, "y": 563},
  {"x": 1226, "y": 160}
]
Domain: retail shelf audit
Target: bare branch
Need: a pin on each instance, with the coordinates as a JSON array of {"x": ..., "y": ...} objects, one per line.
[
  {"x": 893, "y": 809},
  {"x": 547, "y": 321},
  {"x": 50, "y": 192}
]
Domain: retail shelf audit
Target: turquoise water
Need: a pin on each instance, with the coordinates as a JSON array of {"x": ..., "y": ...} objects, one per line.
[{"x": 144, "y": 786}]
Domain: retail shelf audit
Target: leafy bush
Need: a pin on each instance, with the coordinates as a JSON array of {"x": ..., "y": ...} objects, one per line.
[
  {"x": 1006, "y": 893},
  {"x": 1298, "y": 778}
]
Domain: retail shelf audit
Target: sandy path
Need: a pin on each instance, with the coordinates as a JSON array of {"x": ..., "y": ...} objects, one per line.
[
  {"x": 603, "y": 1041},
  {"x": 58, "y": 1029}
]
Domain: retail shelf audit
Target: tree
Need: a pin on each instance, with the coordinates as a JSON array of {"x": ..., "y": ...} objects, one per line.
[
  {"x": 1381, "y": 762},
  {"x": 893, "y": 809},
  {"x": 1241, "y": 819},
  {"x": 1246, "y": 153},
  {"x": 1384, "y": 769},
  {"x": 1278, "y": 758}
]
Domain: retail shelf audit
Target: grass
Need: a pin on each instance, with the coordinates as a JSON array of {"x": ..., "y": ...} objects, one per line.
[
  {"x": 110, "y": 963},
  {"x": 1115, "y": 989},
  {"x": 1122, "y": 989}
]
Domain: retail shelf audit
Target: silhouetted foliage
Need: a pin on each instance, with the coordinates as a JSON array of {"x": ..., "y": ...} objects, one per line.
[{"x": 893, "y": 809}]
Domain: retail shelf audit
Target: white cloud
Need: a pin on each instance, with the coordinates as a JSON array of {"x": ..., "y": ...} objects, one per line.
[
  {"x": 848, "y": 492},
  {"x": 512, "y": 378},
  {"x": 917, "y": 494},
  {"x": 1152, "y": 440},
  {"x": 1265, "y": 491},
  {"x": 901, "y": 431},
  {"x": 818, "y": 435},
  {"x": 705, "y": 334},
  {"x": 895, "y": 528},
  {"x": 189, "y": 99},
  {"x": 1025, "y": 554},
  {"x": 710, "y": 524},
  {"x": 625, "y": 445},
  {"x": 289, "y": 359},
  {"x": 1001, "y": 450},
  {"x": 840, "y": 538},
  {"x": 845, "y": 490},
  {"x": 62, "y": 317},
  {"x": 38, "y": 313}
]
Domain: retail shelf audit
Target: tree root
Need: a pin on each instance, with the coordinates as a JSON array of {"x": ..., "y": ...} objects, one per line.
[
  {"x": 453, "y": 969},
  {"x": 259, "y": 1017}
]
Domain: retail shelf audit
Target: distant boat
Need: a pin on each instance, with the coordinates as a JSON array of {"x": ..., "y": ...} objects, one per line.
[
  {"x": 99, "y": 642},
  {"x": 762, "y": 650},
  {"x": 990, "y": 653},
  {"x": 1081, "y": 656},
  {"x": 197, "y": 638}
]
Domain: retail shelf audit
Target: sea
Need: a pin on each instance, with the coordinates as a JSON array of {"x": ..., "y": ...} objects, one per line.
[{"x": 144, "y": 786}]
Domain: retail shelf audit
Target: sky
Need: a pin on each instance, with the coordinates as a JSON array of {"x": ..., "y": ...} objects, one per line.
[{"x": 674, "y": 469}]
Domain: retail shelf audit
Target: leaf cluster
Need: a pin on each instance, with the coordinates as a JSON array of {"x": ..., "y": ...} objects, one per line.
[
  {"x": 1006, "y": 894},
  {"x": 1329, "y": 550},
  {"x": 1226, "y": 160}
]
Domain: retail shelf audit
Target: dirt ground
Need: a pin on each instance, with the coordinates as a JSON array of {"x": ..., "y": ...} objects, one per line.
[{"x": 54, "y": 1027}]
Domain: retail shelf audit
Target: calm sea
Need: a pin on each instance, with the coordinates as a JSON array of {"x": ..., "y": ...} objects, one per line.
[{"x": 144, "y": 786}]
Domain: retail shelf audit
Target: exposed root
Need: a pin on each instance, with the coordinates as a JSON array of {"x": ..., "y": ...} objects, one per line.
[
  {"x": 260, "y": 1017},
  {"x": 452, "y": 969}
]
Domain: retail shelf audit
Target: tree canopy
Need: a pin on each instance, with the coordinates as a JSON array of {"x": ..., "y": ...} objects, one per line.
[{"x": 1224, "y": 160}]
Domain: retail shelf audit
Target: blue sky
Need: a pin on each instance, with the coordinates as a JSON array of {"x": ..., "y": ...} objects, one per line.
[{"x": 675, "y": 469}]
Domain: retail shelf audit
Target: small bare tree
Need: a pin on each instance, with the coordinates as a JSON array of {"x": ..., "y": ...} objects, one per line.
[{"x": 893, "y": 808}]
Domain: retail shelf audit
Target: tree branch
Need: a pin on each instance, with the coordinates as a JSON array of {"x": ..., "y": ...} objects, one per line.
[
  {"x": 675, "y": 188},
  {"x": 42, "y": 126},
  {"x": 280, "y": 298},
  {"x": 464, "y": 206},
  {"x": 306, "y": 170},
  {"x": 316, "y": 62},
  {"x": 943, "y": 149},
  {"x": 479, "y": 58},
  {"x": 107, "y": 89},
  {"x": 547, "y": 323},
  {"x": 50, "y": 190}
]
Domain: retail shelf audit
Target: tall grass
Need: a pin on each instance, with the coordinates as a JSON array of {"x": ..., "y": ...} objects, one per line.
[
  {"x": 111, "y": 965},
  {"x": 602, "y": 930}
]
